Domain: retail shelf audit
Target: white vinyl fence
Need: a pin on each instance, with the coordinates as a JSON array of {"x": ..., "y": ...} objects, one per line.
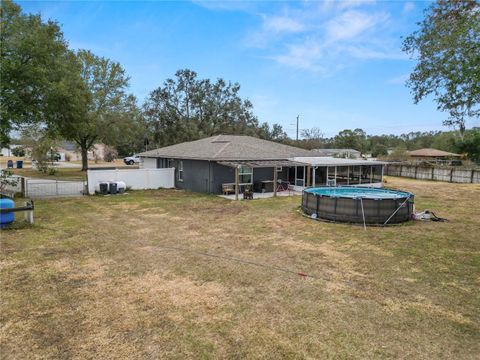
[{"x": 136, "y": 179}]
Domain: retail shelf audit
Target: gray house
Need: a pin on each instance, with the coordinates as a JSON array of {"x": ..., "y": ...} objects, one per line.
[
  {"x": 210, "y": 165},
  {"x": 225, "y": 163}
]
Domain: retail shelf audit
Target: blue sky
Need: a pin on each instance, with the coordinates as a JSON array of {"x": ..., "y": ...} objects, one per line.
[{"x": 337, "y": 64}]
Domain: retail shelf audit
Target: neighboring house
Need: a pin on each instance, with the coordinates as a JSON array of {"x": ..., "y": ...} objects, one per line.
[
  {"x": 340, "y": 153},
  {"x": 69, "y": 151},
  {"x": 7, "y": 151},
  {"x": 216, "y": 164},
  {"x": 434, "y": 155}
]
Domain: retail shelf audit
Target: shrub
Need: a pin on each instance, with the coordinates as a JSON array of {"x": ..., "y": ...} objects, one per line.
[
  {"x": 379, "y": 150},
  {"x": 7, "y": 179},
  {"x": 18, "y": 151},
  {"x": 110, "y": 154},
  {"x": 41, "y": 153}
]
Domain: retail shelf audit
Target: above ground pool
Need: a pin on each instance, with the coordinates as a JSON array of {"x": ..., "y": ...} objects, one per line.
[{"x": 350, "y": 204}]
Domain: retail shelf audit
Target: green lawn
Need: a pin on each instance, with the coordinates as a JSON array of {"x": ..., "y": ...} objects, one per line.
[{"x": 127, "y": 277}]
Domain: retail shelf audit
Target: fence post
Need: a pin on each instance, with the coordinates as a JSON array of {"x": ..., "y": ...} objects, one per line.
[
  {"x": 56, "y": 187},
  {"x": 401, "y": 167},
  {"x": 416, "y": 169},
  {"x": 472, "y": 175},
  {"x": 22, "y": 187},
  {"x": 451, "y": 175},
  {"x": 433, "y": 170}
]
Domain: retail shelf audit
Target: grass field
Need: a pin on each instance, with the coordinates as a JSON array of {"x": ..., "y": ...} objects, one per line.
[{"x": 127, "y": 277}]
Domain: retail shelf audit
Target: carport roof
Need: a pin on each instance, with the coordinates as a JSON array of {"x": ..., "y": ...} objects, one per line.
[
  {"x": 260, "y": 163},
  {"x": 330, "y": 161}
]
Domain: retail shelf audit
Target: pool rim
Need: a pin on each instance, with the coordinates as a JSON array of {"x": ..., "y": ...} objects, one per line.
[{"x": 405, "y": 194}]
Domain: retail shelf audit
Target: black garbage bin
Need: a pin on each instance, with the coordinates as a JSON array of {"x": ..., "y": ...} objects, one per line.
[
  {"x": 19, "y": 164},
  {"x": 113, "y": 188},
  {"x": 10, "y": 164},
  {"x": 104, "y": 188}
]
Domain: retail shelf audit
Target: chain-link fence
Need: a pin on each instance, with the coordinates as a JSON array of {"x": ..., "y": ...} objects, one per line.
[{"x": 40, "y": 188}]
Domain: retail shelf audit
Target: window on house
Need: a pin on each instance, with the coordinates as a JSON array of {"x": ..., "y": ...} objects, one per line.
[
  {"x": 170, "y": 163},
  {"x": 245, "y": 175},
  {"x": 180, "y": 170}
]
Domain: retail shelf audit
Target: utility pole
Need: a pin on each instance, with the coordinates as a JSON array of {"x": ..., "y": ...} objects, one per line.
[{"x": 298, "y": 116}]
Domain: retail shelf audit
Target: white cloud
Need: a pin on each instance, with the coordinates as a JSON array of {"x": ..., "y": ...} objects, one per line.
[
  {"x": 324, "y": 37},
  {"x": 228, "y": 5},
  {"x": 409, "y": 6},
  {"x": 280, "y": 24},
  {"x": 399, "y": 80},
  {"x": 343, "y": 38},
  {"x": 369, "y": 53},
  {"x": 346, "y": 4},
  {"x": 302, "y": 56},
  {"x": 350, "y": 24}
]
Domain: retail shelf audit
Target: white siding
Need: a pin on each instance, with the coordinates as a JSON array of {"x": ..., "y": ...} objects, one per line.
[{"x": 148, "y": 163}]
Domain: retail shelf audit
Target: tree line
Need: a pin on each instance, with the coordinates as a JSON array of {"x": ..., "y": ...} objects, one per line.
[
  {"x": 54, "y": 92},
  {"x": 50, "y": 91},
  {"x": 383, "y": 145}
]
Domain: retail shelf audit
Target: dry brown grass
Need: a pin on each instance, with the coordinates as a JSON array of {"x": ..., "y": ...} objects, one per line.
[{"x": 99, "y": 277}]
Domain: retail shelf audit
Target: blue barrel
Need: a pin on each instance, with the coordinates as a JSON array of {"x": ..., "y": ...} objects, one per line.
[
  {"x": 7, "y": 218},
  {"x": 19, "y": 164}
]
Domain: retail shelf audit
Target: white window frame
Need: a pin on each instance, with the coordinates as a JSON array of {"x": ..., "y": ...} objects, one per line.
[
  {"x": 241, "y": 172},
  {"x": 180, "y": 170}
]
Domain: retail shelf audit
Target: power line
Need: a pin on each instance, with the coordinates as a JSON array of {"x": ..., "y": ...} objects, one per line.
[{"x": 230, "y": 258}]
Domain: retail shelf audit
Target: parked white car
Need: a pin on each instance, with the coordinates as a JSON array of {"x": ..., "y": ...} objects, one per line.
[{"x": 130, "y": 160}]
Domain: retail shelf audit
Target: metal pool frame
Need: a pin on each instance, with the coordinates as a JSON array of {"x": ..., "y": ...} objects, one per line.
[{"x": 359, "y": 210}]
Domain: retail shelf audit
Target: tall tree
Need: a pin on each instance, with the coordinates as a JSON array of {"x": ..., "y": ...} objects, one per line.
[
  {"x": 129, "y": 133},
  {"x": 35, "y": 69},
  {"x": 313, "y": 138},
  {"x": 99, "y": 106},
  {"x": 351, "y": 139},
  {"x": 187, "y": 108},
  {"x": 470, "y": 145},
  {"x": 447, "y": 50}
]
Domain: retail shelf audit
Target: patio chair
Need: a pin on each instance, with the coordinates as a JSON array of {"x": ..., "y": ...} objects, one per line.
[
  {"x": 248, "y": 193},
  {"x": 228, "y": 188}
]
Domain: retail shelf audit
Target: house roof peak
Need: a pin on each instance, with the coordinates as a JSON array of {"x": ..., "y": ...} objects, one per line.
[{"x": 229, "y": 147}]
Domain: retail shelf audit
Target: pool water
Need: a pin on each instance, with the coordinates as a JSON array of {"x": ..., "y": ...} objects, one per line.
[{"x": 359, "y": 192}]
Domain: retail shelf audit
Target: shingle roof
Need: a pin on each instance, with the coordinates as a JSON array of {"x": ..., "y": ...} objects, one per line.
[
  {"x": 229, "y": 147},
  {"x": 431, "y": 153}
]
